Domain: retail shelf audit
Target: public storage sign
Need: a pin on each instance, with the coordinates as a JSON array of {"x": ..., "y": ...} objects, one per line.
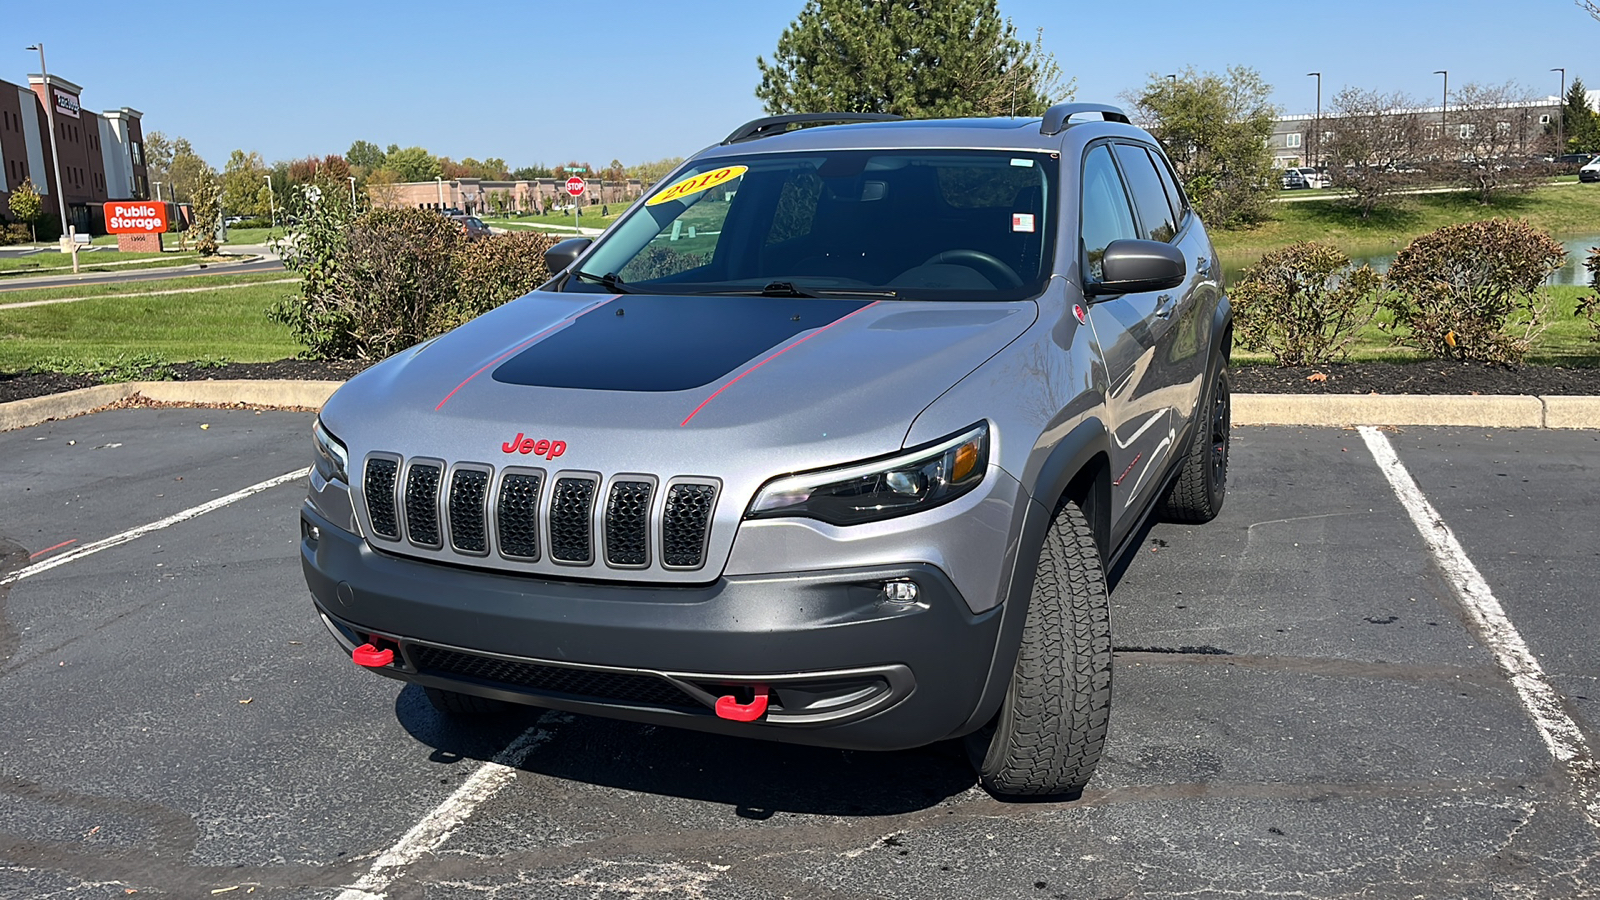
[{"x": 138, "y": 217}]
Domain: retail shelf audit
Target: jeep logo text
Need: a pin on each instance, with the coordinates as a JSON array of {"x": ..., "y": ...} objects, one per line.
[{"x": 526, "y": 445}]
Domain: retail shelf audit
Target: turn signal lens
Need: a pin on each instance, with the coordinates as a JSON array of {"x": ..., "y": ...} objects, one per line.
[{"x": 908, "y": 482}]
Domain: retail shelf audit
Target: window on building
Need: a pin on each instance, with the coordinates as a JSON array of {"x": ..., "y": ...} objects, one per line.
[
  {"x": 1466, "y": 131},
  {"x": 1502, "y": 128},
  {"x": 1544, "y": 119},
  {"x": 137, "y": 152},
  {"x": 1292, "y": 139}
]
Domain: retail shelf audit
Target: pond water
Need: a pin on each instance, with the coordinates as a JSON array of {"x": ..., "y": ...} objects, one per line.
[{"x": 1571, "y": 272}]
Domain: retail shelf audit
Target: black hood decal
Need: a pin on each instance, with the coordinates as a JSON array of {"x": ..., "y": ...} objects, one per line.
[{"x": 641, "y": 342}]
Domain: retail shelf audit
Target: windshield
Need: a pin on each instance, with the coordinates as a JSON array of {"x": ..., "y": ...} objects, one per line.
[{"x": 928, "y": 224}]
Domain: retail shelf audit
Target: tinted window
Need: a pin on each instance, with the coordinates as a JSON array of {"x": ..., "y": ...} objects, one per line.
[
  {"x": 1149, "y": 197},
  {"x": 1106, "y": 215},
  {"x": 1175, "y": 196}
]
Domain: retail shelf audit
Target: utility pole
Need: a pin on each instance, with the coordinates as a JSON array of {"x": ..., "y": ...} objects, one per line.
[
  {"x": 1318, "y": 122},
  {"x": 1444, "y": 104},
  {"x": 272, "y": 201},
  {"x": 55, "y": 155},
  {"x": 1561, "y": 114}
]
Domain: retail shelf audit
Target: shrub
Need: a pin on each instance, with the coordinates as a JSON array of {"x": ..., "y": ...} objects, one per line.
[
  {"x": 1303, "y": 304},
  {"x": 1589, "y": 305},
  {"x": 1473, "y": 291},
  {"x": 393, "y": 278},
  {"x": 15, "y": 233},
  {"x": 257, "y": 222},
  {"x": 493, "y": 270}
]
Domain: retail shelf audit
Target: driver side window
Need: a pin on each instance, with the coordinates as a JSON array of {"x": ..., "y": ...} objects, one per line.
[{"x": 1106, "y": 214}]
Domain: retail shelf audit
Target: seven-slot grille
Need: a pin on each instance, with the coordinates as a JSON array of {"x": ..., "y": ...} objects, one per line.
[{"x": 535, "y": 516}]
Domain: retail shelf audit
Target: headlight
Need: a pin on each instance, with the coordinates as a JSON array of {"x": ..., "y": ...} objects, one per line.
[
  {"x": 333, "y": 460},
  {"x": 908, "y": 482}
]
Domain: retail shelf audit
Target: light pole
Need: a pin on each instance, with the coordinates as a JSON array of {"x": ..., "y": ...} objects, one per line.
[
  {"x": 1444, "y": 101},
  {"x": 352, "y": 194},
  {"x": 1561, "y": 114},
  {"x": 272, "y": 202},
  {"x": 50, "y": 117},
  {"x": 158, "y": 191},
  {"x": 438, "y": 181},
  {"x": 1317, "y": 125}
]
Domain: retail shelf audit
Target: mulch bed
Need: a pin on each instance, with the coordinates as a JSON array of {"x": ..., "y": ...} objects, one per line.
[{"x": 1339, "y": 378}]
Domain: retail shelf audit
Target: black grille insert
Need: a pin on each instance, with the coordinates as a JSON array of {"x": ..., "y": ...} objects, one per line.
[
  {"x": 609, "y": 687},
  {"x": 469, "y": 488},
  {"x": 379, "y": 487},
  {"x": 628, "y": 523},
  {"x": 422, "y": 504},
  {"x": 571, "y": 511},
  {"x": 517, "y": 516},
  {"x": 683, "y": 529}
]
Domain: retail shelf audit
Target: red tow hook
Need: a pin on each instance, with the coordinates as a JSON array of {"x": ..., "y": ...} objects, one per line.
[
  {"x": 730, "y": 708},
  {"x": 372, "y": 657}
]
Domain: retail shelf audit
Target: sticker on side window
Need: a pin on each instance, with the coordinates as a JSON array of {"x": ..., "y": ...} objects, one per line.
[
  {"x": 1022, "y": 221},
  {"x": 1022, "y": 162},
  {"x": 697, "y": 183}
]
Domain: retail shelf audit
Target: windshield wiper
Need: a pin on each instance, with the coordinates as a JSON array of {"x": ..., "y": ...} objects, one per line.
[
  {"x": 610, "y": 280},
  {"x": 788, "y": 289}
]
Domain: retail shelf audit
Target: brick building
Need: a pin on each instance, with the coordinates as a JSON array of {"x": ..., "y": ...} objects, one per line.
[{"x": 101, "y": 155}]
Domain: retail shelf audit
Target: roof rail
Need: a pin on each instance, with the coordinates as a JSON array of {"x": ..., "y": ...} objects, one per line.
[
  {"x": 1055, "y": 119},
  {"x": 771, "y": 125}
]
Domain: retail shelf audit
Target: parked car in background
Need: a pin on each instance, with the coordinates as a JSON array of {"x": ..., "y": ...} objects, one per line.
[
  {"x": 1567, "y": 163},
  {"x": 471, "y": 226},
  {"x": 1590, "y": 171},
  {"x": 1292, "y": 180}
]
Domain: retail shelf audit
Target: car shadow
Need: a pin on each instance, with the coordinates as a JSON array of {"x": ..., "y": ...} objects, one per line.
[{"x": 757, "y": 778}]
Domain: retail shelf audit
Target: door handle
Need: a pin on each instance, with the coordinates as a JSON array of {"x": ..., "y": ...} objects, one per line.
[{"x": 1164, "y": 306}]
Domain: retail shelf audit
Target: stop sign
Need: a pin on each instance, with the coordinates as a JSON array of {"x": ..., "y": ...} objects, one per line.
[{"x": 575, "y": 185}]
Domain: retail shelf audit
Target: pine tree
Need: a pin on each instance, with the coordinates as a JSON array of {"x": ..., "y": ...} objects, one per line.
[
  {"x": 908, "y": 57},
  {"x": 1581, "y": 124}
]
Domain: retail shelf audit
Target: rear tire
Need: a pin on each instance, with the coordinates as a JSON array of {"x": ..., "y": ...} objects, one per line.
[
  {"x": 466, "y": 706},
  {"x": 1202, "y": 483},
  {"x": 1048, "y": 736}
]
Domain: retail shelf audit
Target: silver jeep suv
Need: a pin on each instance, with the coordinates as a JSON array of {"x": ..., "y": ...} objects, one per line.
[{"x": 830, "y": 439}]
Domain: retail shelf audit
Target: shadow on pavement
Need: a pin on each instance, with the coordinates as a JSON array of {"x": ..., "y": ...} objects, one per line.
[{"x": 757, "y": 778}]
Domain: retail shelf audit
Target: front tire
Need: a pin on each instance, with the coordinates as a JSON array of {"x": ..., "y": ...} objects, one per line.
[
  {"x": 1051, "y": 729},
  {"x": 1202, "y": 483}
]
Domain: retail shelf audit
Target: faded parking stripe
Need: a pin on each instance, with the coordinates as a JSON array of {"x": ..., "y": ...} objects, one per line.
[
  {"x": 1561, "y": 734},
  {"x": 136, "y": 533}
]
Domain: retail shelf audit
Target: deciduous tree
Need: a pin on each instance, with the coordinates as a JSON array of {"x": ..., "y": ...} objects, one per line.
[
  {"x": 1215, "y": 129},
  {"x": 1376, "y": 144},
  {"x": 365, "y": 154},
  {"x": 244, "y": 184},
  {"x": 1490, "y": 138},
  {"x": 205, "y": 205},
  {"x": 529, "y": 173},
  {"x": 412, "y": 163},
  {"x": 910, "y": 58},
  {"x": 27, "y": 206}
]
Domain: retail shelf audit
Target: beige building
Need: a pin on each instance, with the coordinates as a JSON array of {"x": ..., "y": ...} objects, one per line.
[{"x": 475, "y": 196}]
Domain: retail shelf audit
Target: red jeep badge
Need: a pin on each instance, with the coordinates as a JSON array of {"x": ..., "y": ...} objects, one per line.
[{"x": 526, "y": 445}]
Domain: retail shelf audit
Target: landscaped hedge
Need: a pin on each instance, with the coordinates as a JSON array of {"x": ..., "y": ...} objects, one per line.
[
  {"x": 1303, "y": 304},
  {"x": 392, "y": 278}
]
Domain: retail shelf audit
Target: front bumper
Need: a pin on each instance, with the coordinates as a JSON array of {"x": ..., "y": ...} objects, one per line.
[{"x": 844, "y": 667}]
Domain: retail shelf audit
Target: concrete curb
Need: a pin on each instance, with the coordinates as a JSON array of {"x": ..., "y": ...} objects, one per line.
[
  {"x": 1320, "y": 410},
  {"x": 257, "y": 393}
]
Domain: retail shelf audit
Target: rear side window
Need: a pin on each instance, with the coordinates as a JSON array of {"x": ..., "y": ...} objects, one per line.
[
  {"x": 1149, "y": 197},
  {"x": 1106, "y": 214}
]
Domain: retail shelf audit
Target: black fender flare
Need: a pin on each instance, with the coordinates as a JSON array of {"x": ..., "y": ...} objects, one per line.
[{"x": 1070, "y": 456}]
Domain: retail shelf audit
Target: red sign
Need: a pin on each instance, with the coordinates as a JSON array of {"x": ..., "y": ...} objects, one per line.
[
  {"x": 136, "y": 217},
  {"x": 575, "y": 185}
]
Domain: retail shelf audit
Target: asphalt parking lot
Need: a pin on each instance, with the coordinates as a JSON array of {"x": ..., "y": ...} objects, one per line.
[{"x": 1304, "y": 706}]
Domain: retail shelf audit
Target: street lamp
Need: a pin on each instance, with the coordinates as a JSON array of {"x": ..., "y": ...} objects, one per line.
[
  {"x": 55, "y": 156},
  {"x": 272, "y": 201},
  {"x": 1318, "y": 124},
  {"x": 1561, "y": 113},
  {"x": 352, "y": 194},
  {"x": 1444, "y": 102},
  {"x": 158, "y": 191},
  {"x": 438, "y": 181}
]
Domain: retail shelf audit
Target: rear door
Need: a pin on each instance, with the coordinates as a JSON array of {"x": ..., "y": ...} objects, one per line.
[{"x": 1129, "y": 328}]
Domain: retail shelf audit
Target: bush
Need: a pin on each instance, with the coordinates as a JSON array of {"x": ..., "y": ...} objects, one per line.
[
  {"x": 15, "y": 233},
  {"x": 1473, "y": 291},
  {"x": 1589, "y": 306},
  {"x": 257, "y": 222},
  {"x": 493, "y": 270},
  {"x": 1303, "y": 304},
  {"x": 393, "y": 279}
]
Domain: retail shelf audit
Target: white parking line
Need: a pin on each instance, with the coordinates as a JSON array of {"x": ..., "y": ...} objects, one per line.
[
  {"x": 437, "y": 826},
  {"x": 136, "y": 533},
  {"x": 1561, "y": 734}
]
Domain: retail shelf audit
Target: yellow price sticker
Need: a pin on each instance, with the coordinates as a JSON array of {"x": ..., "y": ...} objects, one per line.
[{"x": 697, "y": 183}]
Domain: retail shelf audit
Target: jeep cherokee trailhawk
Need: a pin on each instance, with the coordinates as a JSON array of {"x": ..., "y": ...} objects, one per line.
[{"x": 830, "y": 439}]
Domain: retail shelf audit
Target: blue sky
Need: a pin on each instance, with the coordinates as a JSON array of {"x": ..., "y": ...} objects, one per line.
[{"x": 544, "y": 82}]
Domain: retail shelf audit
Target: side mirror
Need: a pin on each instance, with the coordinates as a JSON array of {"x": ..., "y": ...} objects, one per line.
[
  {"x": 560, "y": 256},
  {"x": 1130, "y": 267}
]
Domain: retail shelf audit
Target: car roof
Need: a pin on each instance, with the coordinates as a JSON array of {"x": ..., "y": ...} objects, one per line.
[{"x": 1006, "y": 133}]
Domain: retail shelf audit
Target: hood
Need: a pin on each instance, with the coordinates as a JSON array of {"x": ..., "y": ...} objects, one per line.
[{"x": 622, "y": 381}]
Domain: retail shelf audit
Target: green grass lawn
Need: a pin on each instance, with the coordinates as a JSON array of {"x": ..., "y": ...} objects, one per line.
[
  {"x": 48, "y": 263},
  {"x": 20, "y": 295},
  {"x": 589, "y": 220},
  {"x": 1567, "y": 342},
  {"x": 229, "y": 324},
  {"x": 1558, "y": 210}
]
